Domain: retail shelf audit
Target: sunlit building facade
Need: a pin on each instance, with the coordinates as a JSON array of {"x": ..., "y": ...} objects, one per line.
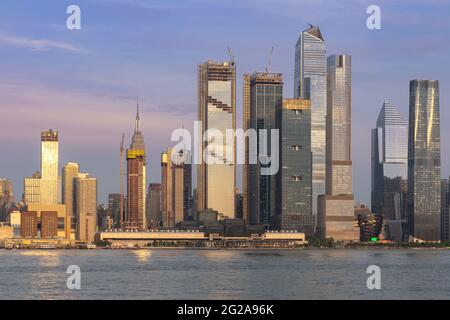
[
  {"x": 336, "y": 208},
  {"x": 85, "y": 191},
  {"x": 136, "y": 180},
  {"x": 263, "y": 109},
  {"x": 424, "y": 161},
  {"x": 310, "y": 82},
  {"x": 216, "y": 180},
  {"x": 49, "y": 167},
  {"x": 69, "y": 172}
]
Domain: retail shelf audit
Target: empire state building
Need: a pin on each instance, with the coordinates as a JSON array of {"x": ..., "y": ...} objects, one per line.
[{"x": 136, "y": 180}]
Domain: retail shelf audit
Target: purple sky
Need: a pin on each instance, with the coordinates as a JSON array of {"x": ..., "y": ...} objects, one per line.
[{"x": 84, "y": 82}]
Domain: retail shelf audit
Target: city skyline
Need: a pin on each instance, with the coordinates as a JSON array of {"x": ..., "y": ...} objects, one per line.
[{"x": 80, "y": 139}]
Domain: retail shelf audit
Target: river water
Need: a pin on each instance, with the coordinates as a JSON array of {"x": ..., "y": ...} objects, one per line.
[{"x": 225, "y": 274}]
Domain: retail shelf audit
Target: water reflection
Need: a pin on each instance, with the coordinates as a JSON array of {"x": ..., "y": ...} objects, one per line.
[
  {"x": 142, "y": 256},
  {"x": 46, "y": 258}
]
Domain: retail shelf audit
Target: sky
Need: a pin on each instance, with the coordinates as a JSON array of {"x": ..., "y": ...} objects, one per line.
[{"x": 84, "y": 82}]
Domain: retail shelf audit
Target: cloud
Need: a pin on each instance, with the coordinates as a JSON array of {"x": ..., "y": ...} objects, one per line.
[{"x": 38, "y": 44}]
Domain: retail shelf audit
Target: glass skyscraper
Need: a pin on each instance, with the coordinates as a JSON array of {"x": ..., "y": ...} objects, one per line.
[
  {"x": 336, "y": 208},
  {"x": 310, "y": 82},
  {"x": 389, "y": 164},
  {"x": 263, "y": 107},
  {"x": 49, "y": 167},
  {"x": 216, "y": 180},
  {"x": 295, "y": 179},
  {"x": 424, "y": 160}
]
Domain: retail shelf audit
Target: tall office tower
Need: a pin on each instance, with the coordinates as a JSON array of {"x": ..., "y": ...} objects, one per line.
[
  {"x": 295, "y": 176},
  {"x": 176, "y": 192},
  {"x": 85, "y": 206},
  {"x": 216, "y": 179},
  {"x": 154, "y": 216},
  {"x": 445, "y": 209},
  {"x": 390, "y": 169},
  {"x": 136, "y": 180},
  {"x": 6, "y": 198},
  {"x": 32, "y": 189},
  {"x": 310, "y": 82},
  {"x": 69, "y": 172},
  {"x": 114, "y": 207},
  {"x": 336, "y": 208},
  {"x": 49, "y": 167},
  {"x": 424, "y": 161},
  {"x": 263, "y": 108}
]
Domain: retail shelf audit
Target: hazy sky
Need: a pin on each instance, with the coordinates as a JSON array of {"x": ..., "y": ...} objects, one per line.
[{"x": 84, "y": 82}]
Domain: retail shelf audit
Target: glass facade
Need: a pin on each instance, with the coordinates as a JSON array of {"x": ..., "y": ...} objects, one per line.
[
  {"x": 336, "y": 216},
  {"x": 310, "y": 83},
  {"x": 295, "y": 179},
  {"x": 49, "y": 167},
  {"x": 217, "y": 111},
  {"x": 266, "y": 95},
  {"x": 424, "y": 160},
  {"x": 389, "y": 164}
]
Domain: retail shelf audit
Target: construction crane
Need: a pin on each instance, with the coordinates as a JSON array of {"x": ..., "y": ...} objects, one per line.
[
  {"x": 270, "y": 61},
  {"x": 231, "y": 55},
  {"x": 122, "y": 169}
]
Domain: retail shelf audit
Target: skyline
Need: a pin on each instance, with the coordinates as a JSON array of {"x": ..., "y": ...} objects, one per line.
[{"x": 72, "y": 89}]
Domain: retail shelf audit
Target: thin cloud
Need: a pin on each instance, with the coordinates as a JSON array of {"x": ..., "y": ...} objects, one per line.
[{"x": 38, "y": 44}]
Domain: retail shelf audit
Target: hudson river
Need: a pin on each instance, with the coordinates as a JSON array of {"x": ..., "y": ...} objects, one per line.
[{"x": 225, "y": 274}]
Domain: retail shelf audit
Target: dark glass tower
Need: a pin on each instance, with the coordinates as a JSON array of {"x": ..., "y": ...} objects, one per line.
[
  {"x": 295, "y": 176},
  {"x": 263, "y": 107},
  {"x": 424, "y": 161}
]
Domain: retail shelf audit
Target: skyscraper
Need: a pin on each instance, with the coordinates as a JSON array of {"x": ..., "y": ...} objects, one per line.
[
  {"x": 85, "y": 206},
  {"x": 295, "y": 177},
  {"x": 69, "y": 172},
  {"x": 310, "y": 82},
  {"x": 176, "y": 185},
  {"x": 216, "y": 180},
  {"x": 6, "y": 198},
  {"x": 445, "y": 209},
  {"x": 114, "y": 202},
  {"x": 136, "y": 180},
  {"x": 263, "y": 108},
  {"x": 154, "y": 216},
  {"x": 390, "y": 166},
  {"x": 49, "y": 167},
  {"x": 336, "y": 208},
  {"x": 424, "y": 161}
]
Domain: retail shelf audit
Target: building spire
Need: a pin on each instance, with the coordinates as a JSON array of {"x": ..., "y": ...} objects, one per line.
[{"x": 137, "y": 127}]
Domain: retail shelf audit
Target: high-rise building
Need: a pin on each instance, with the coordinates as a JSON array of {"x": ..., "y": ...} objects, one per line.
[
  {"x": 32, "y": 189},
  {"x": 390, "y": 168},
  {"x": 424, "y": 161},
  {"x": 85, "y": 192},
  {"x": 262, "y": 108},
  {"x": 44, "y": 186},
  {"x": 136, "y": 180},
  {"x": 114, "y": 207},
  {"x": 216, "y": 180},
  {"x": 6, "y": 198},
  {"x": 176, "y": 187},
  {"x": 154, "y": 215},
  {"x": 63, "y": 222},
  {"x": 445, "y": 209},
  {"x": 295, "y": 177},
  {"x": 310, "y": 82},
  {"x": 69, "y": 172},
  {"x": 49, "y": 167},
  {"x": 336, "y": 209}
]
